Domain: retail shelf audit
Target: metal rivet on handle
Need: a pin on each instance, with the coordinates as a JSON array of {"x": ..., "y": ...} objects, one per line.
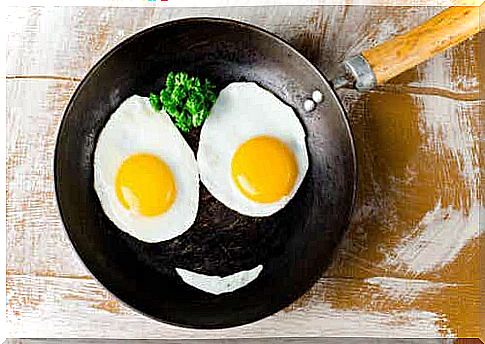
[
  {"x": 317, "y": 96},
  {"x": 309, "y": 105}
]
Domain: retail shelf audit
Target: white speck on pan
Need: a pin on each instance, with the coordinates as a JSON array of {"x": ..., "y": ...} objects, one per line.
[
  {"x": 317, "y": 96},
  {"x": 219, "y": 285},
  {"x": 309, "y": 105}
]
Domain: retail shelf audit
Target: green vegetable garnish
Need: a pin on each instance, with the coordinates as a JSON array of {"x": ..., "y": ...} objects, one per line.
[
  {"x": 186, "y": 99},
  {"x": 155, "y": 102}
]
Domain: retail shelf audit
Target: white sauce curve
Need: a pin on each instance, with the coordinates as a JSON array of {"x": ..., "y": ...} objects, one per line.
[{"x": 219, "y": 285}]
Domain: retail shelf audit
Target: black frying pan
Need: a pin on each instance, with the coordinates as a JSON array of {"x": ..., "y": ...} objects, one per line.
[{"x": 295, "y": 245}]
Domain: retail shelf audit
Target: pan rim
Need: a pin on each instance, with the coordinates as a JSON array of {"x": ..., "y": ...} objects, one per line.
[{"x": 89, "y": 74}]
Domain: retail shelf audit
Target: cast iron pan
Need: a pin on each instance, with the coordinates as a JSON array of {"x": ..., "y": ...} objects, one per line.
[{"x": 295, "y": 245}]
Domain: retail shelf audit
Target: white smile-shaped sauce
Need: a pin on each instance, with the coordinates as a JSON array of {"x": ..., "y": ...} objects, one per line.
[{"x": 219, "y": 285}]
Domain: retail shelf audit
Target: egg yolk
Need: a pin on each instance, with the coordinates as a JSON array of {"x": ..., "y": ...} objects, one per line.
[
  {"x": 264, "y": 169},
  {"x": 145, "y": 185}
]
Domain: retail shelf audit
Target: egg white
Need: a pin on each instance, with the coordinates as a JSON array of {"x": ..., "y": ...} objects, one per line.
[
  {"x": 242, "y": 111},
  {"x": 219, "y": 285},
  {"x": 136, "y": 128}
]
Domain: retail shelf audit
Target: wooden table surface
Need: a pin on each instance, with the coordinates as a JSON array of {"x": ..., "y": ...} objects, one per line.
[{"x": 409, "y": 265}]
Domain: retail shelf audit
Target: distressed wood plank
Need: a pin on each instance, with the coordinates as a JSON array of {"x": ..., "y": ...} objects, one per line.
[
  {"x": 35, "y": 236},
  {"x": 315, "y": 340},
  {"x": 257, "y": 3},
  {"x": 89, "y": 310},
  {"x": 79, "y": 36}
]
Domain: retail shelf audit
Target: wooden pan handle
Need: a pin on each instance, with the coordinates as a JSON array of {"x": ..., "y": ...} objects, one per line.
[
  {"x": 441, "y": 32},
  {"x": 377, "y": 65}
]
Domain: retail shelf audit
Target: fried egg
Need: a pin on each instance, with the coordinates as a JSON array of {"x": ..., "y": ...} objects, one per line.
[
  {"x": 252, "y": 153},
  {"x": 145, "y": 173}
]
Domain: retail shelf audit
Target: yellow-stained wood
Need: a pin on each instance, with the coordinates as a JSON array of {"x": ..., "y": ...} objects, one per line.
[
  {"x": 441, "y": 32},
  {"x": 409, "y": 264}
]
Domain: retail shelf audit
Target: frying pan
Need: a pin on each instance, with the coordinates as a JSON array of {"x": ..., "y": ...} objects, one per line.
[{"x": 296, "y": 244}]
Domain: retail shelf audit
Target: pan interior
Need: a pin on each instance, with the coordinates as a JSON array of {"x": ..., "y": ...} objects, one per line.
[{"x": 294, "y": 245}]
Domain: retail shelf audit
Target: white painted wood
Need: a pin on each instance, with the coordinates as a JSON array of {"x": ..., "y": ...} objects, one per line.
[
  {"x": 79, "y": 36},
  {"x": 86, "y": 310},
  {"x": 237, "y": 3},
  {"x": 314, "y": 340}
]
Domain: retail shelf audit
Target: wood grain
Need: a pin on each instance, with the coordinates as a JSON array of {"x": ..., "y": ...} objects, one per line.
[
  {"x": 446, "y": 29},
  {"x": 312, "y": 340},
  {"x": 74, "y": 300},
  {"x": 409, "y": 265}
]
